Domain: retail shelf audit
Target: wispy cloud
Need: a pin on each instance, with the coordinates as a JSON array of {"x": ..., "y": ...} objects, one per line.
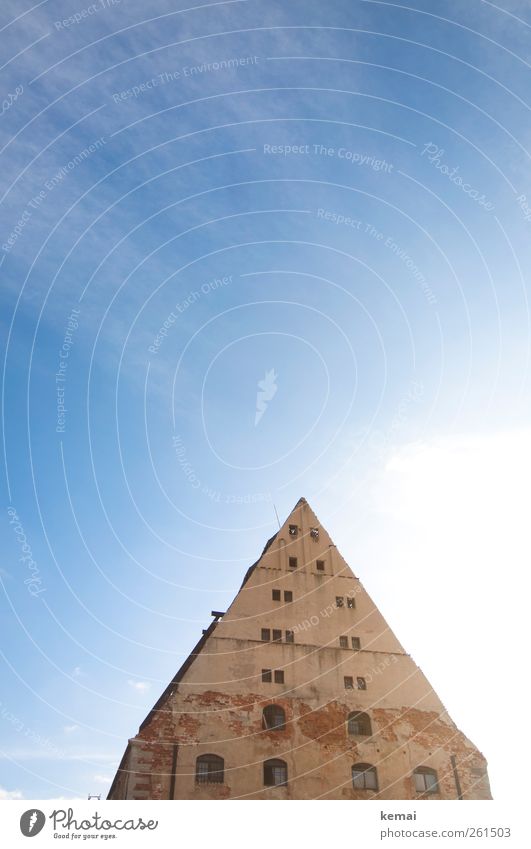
[
  {"x": 141, "y": 686},
  {"x": 10, "y": 794}
]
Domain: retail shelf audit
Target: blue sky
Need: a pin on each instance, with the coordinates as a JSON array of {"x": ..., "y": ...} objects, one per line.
[{"x": 334, "y": 195}]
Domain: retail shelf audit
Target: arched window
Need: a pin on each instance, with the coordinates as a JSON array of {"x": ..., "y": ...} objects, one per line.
[
  {"x": 426, "y": 780},
  {"x": 273, "y": 718},
  {"x": 359, "y": 723},
  {"x": 209, "y": 769},
  {"x": 364, "y": 777},
  {"x": 275, "y": 773}
]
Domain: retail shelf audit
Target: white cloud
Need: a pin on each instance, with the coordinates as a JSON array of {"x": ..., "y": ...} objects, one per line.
[
  {"x": 102, "y": 779},
  {"x": 141, "y": 686},
  {"x": 69, "y": 729},
  {"x": 445, "y": 553},
  {"x": 10, "y": 794}
]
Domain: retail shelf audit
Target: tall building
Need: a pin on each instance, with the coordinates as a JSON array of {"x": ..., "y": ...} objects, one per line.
[{"x": 300, "y": 691}]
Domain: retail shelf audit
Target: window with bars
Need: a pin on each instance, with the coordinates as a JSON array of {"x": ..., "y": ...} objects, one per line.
[
  {"x": 290, "y": 637},
  {"x": 275, "y": 595},
  {"x": 359, "y": 724},
  {"x": 349, "y": 682},
  {"x": 266, "y": 676},
  {"x": 266, "y": 634},
  {"x": 273, "y": 718},
  {"x": 364, "y": 777},
  {"x": 209, "y": 769},
  {"x": 343, "y": 642},
  {"x": 288, "y": 595},
  {"x": 275, "y": 773},
  {"x": 279, "y": 676},
  {"x": 426, "y": 780},
  {"x": 292, "y": 562},
  {"x": 277, "y": 635},
  {"x": 355, "y": 643},
  {"x": 320, "y": 565}
]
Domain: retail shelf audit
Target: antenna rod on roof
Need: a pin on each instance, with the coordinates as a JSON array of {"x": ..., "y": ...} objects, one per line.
[{"x": 276, "y": 514}]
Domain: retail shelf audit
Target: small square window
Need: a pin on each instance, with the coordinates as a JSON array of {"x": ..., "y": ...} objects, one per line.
[
  {"x": 288, "y": 595},
  {"x": 266, "y": 675},
  {"x": 320, "y": 565},
  {"x": 343, "y": 642},
  {"x": 290, "y": 637},
  {"x": 293, "y": 530},
  {"x": 339, "y": 601},
  {"x": 279, "y": 676},
  {"x": 349, "y": 682},
  {"x": 314, "y": 533},
  {"x": 276, "y": 595},
  {"x": 362, "y": 684},
  {"x": 292, "y": 562},
  {"x": 355, "y": 643},
  {"x": 275, "y": 773},
  {"x": 266, "y": 634},
  {"x": 277, "y": 635},
  {"x": 350, "y": 602}
]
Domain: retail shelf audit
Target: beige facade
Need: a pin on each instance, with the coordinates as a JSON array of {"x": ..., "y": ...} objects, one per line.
[{"x": 301, "y": 696}]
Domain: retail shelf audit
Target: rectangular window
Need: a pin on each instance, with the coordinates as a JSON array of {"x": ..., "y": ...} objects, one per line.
[
  {"x": 276, "y": 595},
  {"x": 292, "y": 562},
  {"x": 420, "y": 785},
  {"x": 266, "y": 634},
  {"x": 431, "y": 782},
  {"x": 350, "y": 602},
  {"x": 314, "y": 533},
  {"x": 279, "y": 676},
  {"x": 288, "y": 595},
  {"x": 339, "y": 601},
  {"x": 266, "y": 675},
  {"x": 349, "y": 682},
  {"x": 277, "y": 635},
  {"x": 320, "y": 565},
  {"x": 201, "y": 774},
  {"x": 362, "y": 684},
  {"x": 343, "y": 642},
  {"x": 293, "y": 529},
  {"x": 426, "y": 782},
  {"x": 290, "y": 637},
  {"x": 355, "y": 643},
  {"x": 275, "y": 773},
  {"x": 364, "y": 777},
  {"x": 278, "y": 776}
]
